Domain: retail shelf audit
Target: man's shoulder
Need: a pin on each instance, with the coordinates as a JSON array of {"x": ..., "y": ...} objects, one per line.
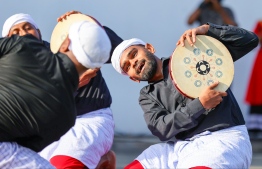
[
  {"x": 11, "y": 39},
  {"x": 165, "y": 58},
  {"x": 47, "y": 44},
  {"x": 9, "y": 42},
  {"x": 144, "y": 89}
]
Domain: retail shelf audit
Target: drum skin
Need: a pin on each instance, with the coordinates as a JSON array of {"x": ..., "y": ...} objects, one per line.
[
  {"x": 61, "y": 29},
  {"x": 193, "y": 68}
]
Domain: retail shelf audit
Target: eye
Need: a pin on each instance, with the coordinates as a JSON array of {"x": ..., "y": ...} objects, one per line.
[
  {"x": 134, "y": 54},
  {"x": 15, "y": 32},
  {"x": 127, "y": 67},
  {"x": 28, "y": 28}
]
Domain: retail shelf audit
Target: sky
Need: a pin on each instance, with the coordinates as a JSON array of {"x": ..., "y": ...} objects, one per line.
[{"x": 160, "y": 23}]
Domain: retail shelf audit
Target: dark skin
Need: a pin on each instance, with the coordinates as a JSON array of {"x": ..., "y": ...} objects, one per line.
[
  {"x": 24, "y": 28},
  {"x": 66, "y": 15},
  {"x": 132, "y": 56}
]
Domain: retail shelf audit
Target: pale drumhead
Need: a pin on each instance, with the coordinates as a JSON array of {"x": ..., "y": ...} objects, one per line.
[
  {"x": 61, "y": 29},
  {"x": 193, "y": 68}
]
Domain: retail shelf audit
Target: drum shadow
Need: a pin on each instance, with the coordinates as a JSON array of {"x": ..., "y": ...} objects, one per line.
[
  {"x": 221, "y": 87},
  {"x": 205, "y": 41}
]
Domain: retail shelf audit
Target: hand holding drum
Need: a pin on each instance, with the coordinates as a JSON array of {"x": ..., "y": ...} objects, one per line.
[
  {"x": 202, "y": 69},
  {"x": 210, "y": 97}
]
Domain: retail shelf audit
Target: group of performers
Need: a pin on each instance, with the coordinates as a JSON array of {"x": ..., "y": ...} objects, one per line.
[{"x": 55, "y": 107}]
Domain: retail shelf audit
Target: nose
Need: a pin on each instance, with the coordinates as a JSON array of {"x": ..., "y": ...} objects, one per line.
[
  {"x": 133, "y": 62},
  {"x": 22, "y": 32}
]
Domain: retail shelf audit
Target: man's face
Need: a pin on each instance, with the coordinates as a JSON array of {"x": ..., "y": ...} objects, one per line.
[
  {"x": 24, "y": 28},
  {"x": 138, "y": 63}
]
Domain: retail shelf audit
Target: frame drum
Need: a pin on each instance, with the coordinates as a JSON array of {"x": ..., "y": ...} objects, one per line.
[
  {"x": 61, "y": 29},
  {"x": 193, "y": 68}
]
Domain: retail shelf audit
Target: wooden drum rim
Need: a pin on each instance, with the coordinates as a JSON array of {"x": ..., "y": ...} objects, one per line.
[{"x": 61, "y": 29}]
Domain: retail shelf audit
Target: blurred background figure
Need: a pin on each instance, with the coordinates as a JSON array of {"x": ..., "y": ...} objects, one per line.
[
  {"x": 254, "y": 91},
  {"x": 212, "y": 11}
]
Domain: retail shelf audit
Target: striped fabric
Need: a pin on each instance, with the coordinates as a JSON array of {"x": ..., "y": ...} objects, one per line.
[
  {"x": 228, "y": 148},
  {"x": 89, "y": 139},
  {"x": 15, "y": 156}
]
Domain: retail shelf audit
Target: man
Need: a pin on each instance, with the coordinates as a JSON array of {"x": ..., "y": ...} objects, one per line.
[
  {"x": 94, "y": 115},
  {"x": 209, "y": 130},
  {"x": 94, "y": 120},
  {"x": 212, "y": 11},
  {"x": 37, "y": 88}
]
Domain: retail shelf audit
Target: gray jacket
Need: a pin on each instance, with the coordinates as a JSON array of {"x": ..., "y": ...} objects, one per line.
[{"x": 168, "y": 113}]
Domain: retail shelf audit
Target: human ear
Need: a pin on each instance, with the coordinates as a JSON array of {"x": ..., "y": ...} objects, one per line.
[
  {"x": 150, "y": 47},
  {"x": 65, "y": 45}
]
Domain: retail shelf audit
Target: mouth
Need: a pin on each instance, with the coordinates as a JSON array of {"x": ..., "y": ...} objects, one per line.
[{"x": 140, "y": 67}]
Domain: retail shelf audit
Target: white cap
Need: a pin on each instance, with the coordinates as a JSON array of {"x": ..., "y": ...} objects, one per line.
[
  {"x": 16, "y": 19},
  {"x": 115, "y": 59},
  {"x": 89, "y": 43}
]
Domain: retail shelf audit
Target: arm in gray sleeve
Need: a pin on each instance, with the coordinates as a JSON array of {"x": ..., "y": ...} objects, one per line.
[
  {"x": 237, "y": 40},
  {"x": 165, "y": 124}
]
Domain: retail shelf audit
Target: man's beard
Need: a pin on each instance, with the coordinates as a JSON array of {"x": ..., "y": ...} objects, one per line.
[{"x": 151, "y": 67}]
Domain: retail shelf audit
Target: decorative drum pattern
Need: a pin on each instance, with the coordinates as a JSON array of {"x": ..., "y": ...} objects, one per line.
[{"x": 196, "y": 67}]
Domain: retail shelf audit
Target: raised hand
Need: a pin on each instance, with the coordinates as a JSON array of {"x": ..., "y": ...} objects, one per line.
[
  {"x": 190, "y": 34},
  {"x": 87, "y": 76},
  {"x": 67, "y": 14}
]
